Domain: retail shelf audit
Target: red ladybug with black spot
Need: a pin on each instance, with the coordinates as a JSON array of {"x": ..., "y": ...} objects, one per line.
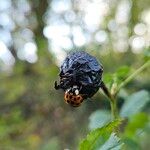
[{"x": 80, "y": 77}]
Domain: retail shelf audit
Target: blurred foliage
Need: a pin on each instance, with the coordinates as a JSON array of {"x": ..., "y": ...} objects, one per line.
[{"x": 34, "y": 115}]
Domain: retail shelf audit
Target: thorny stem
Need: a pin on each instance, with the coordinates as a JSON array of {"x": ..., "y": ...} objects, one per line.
[
  {"x": 127, "y": 80},
  {"x": 114, "y": 110}
]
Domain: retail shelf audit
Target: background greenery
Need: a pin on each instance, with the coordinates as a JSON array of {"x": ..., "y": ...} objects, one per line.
[{"x": 32, "y": 114}]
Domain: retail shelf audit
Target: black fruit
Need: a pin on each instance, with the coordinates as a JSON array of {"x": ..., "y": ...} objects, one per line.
[{"x": 80, "y": 74}]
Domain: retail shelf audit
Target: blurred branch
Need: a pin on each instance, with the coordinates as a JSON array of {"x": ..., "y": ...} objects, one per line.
[
  {"x": 13, "y": 52},
  {"x": 40, "y": 8}
]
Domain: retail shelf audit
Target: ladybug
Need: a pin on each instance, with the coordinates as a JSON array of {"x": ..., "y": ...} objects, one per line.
[
  {"x": 80, "y": 77},
  {"x": 73, "y": 97}
]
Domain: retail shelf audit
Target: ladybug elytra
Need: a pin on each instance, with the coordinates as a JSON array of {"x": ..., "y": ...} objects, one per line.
[{"x": 73, "y": 97}]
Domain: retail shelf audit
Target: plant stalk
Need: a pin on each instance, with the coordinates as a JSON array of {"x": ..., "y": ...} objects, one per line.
[
  {"x": 127, "y": 80},
  {"x": 111, "y": 97},
  {"x": 114, "y": 111}
]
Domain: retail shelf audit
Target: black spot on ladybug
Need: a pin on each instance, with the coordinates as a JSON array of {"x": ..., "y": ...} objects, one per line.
[
  {"x": 72, "y": 102},
  {"x": 78, "y": 98},
  {"x": 80, "y": 74}
]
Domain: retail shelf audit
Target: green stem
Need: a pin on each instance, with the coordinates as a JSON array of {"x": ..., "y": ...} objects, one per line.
[
  {"x": 127, "y": 80},
  {"x": 114, "y": 111},
  {"x": 111, "y": 96}
]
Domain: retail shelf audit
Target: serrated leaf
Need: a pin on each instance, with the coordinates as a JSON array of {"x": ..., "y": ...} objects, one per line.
[
  {"x": 99, "y": 118},
  {"x": 98, "y": 134},
  {"x": 113, "y": 143},
  {"x": 135, "y": 103}
]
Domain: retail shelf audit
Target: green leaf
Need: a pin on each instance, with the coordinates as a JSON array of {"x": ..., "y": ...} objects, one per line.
[
  {"x": 113, "y": 143},
  {"x": 134, "y": 131},
  {"x": 116, "y": 77},
  {"x": 130, "y": 144},
  {"x": 108, "y": 78},
  {"x": 135, "y": 103},
  {"x": 136, "y": 122},
  {"x": 99, "y": 118},
  {"x": 99, "y": 134},
  {"x": 122, "y": 72}
]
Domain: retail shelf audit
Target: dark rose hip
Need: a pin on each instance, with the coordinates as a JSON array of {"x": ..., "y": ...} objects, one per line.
[{"x": 80, "y": 77}]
